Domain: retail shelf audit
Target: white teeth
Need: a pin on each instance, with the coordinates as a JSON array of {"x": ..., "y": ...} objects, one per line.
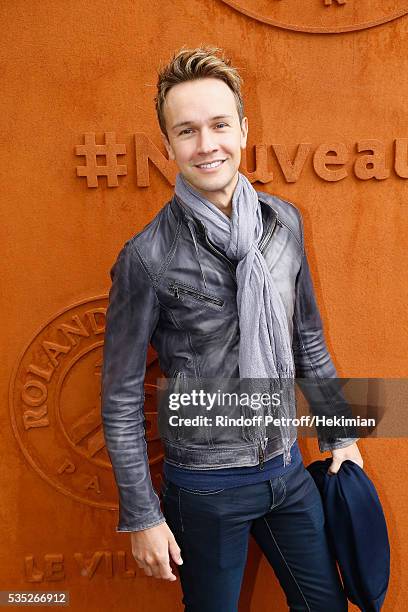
[{"x": 212, "y": 165}]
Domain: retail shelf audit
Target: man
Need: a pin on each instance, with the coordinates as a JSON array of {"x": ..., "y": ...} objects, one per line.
[{"x": 220, "y": 285}]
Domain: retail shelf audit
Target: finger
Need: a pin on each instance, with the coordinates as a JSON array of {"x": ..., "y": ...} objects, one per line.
[
  {"x": 175, "y": 552},
  {"x": 147, "y": 570},
  {"x": 154, "y": 568},
  {"x": 139, "y": 563},
  {"x": 334, "y": 468},
  {"x": 163, "y": 570}
]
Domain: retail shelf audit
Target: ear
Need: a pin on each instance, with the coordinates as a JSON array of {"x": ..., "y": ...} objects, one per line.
[
  {"x": 168, "y": 146},
  {"x": 244, "y": 132}
]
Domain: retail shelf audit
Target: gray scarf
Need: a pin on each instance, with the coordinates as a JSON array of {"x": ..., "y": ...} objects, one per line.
[{"x": 265, "y": 349}]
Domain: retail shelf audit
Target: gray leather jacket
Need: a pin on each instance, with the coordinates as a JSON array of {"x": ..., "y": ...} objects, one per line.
[{"x": 172, "y": 287}]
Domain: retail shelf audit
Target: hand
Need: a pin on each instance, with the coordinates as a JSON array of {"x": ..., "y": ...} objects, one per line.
[
  {"x": 151, "y": 547},
  {"x": 341, "y": 454}
]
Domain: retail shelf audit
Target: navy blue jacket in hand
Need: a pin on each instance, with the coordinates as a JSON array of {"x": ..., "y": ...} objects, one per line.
[{"x": 357, "y": 531}]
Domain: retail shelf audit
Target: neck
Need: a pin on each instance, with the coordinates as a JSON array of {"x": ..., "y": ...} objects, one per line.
[{"x": 222, "y": 198}]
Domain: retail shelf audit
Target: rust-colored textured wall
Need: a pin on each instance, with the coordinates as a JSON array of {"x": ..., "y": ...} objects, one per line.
[{"x": 319, "y": 77}]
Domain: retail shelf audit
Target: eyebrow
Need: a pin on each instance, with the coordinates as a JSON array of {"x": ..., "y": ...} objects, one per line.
[{"x": 177, "y": 125}]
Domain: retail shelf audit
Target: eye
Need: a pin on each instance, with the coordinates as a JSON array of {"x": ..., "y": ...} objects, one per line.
[
  {"x": 185, "y": 131},
  {"x": 222, "y": 124}
]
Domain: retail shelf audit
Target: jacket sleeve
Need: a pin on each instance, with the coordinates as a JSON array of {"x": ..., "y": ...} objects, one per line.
[
  {"x": 131, "y": 318},
  {"x": 315, "y": 371}
]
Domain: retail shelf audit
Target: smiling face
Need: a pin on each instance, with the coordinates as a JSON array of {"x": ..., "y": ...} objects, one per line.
[{"x": 205, "y": 137}]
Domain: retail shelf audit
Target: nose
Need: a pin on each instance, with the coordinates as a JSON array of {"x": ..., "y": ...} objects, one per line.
[{"x": 206, "y": 142}]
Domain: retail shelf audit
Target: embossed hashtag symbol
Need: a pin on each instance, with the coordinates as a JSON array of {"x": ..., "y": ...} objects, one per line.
[{"x": 111, "y": 149}]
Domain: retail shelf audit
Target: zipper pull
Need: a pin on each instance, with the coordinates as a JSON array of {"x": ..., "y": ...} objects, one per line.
[
  {"x": 262, "y": 447},
  {"x": 175, "y": 291},
  {"x": 261, "y": 457}
]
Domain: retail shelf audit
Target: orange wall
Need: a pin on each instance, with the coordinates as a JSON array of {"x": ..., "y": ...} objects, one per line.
[{"x": 322, "y": 76}]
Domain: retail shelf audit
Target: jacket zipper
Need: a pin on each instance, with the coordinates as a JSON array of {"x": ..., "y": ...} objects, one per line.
[
  {"x": 262, "y": 446},
  {"x": 177, "y": 376},
  {"x": 262, "y": 246},
  {"x": 178, "y": 379},
  {"x": 177, "y": 289}
]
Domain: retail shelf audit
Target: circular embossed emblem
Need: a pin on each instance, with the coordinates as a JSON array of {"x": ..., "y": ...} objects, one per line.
[
  {"x": 55, "y": 405},
  {"x": 321, "y": 16}
]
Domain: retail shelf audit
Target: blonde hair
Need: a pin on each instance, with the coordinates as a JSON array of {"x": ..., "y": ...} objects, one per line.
[{"x": 198, "y": 63}]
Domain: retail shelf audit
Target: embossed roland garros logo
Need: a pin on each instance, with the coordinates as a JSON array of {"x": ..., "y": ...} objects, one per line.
[
  {"x": 55, "y": 405},
  {"x": 321, "y": 16}
]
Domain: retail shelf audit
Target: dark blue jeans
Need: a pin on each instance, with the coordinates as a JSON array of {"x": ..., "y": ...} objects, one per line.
[{"x": 284, "y": 515}]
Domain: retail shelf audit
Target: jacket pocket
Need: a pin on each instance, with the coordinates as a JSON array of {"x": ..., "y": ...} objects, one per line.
[{"x": 179, "y": 289}]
